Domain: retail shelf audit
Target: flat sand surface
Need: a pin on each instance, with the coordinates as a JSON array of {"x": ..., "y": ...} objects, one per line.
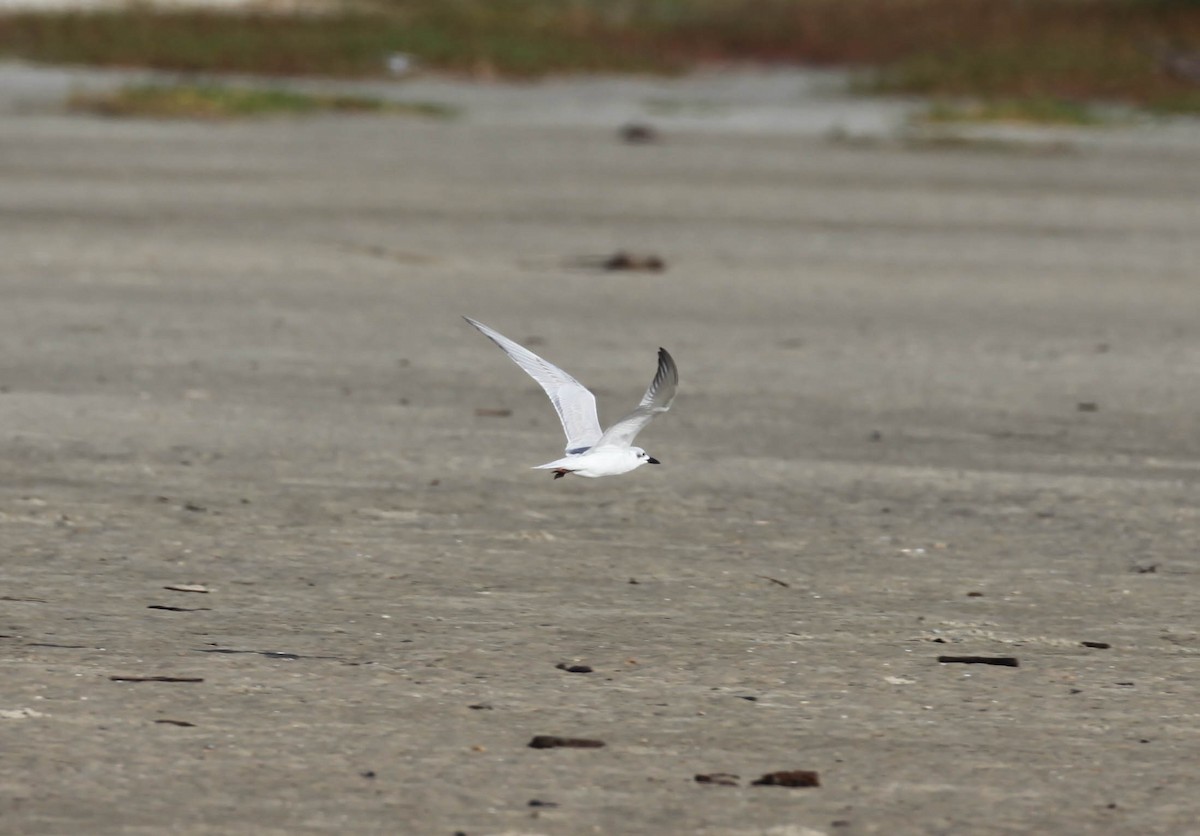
[{"x": 932, "y": 402}]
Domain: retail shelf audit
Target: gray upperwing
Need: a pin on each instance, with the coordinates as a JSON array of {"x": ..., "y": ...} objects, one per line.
[
  {"x": 575, "y": 405},
  {"x": 658, "y": 398}
]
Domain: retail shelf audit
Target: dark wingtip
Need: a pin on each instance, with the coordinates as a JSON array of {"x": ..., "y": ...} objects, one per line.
[{"x": 666, "y": 361}]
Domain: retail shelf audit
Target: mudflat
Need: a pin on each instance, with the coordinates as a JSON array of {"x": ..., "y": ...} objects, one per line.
[{"x": 274, "y": 561}]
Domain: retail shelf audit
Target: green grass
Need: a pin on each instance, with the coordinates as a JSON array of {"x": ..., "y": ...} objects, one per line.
[
  {"x": 344, "y": 44},
  {"x": 1185, "y": 102},
  {"x": 220, "y": 102},
  {"x": 1033, "y": 110},
  {"x": 990, "y": 49}
]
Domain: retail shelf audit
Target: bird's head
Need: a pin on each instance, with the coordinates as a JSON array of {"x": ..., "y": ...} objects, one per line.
[{"x": 644, "y": 457}]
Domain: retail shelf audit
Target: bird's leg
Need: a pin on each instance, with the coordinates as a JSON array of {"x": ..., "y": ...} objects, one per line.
[{"x": 560, "y": 472}]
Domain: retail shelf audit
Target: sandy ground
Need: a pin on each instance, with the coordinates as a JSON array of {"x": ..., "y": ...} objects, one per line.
[{"x": 933, "y": 402}]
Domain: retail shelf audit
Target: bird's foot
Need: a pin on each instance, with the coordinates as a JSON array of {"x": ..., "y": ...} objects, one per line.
[{"x": 560, "y": 472}]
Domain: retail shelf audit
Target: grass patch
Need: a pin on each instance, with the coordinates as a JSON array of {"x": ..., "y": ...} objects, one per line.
[
  {"x": 1029, "y": 111},
  {"x": 990, "y": 145},
  {"x": 220, "y": 102},
  {"x": 455, "y": 36},
  {"x": 994, "y": 49},
  {"x": 1183, "y": 103}
]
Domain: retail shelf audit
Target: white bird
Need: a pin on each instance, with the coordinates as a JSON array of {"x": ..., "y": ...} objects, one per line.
[{"x": 590, "y": 451}]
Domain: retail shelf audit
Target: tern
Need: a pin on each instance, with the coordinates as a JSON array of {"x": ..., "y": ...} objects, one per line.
[{"x": 592, "y": 452}]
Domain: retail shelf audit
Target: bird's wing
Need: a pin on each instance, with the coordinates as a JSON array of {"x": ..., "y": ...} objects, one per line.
[
  {"x": 657, "y": 399},
  {"x": 576, "y": 406}
]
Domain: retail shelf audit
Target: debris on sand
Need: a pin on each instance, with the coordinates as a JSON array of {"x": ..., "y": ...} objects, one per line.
[
  {"x": 188, "y": 587},
  {"x": 562, "y": 666},
  {"x": 621, "y": 260},
  {"x": 638, "y": 133},
  {"x": 19, "y": 713},
  {"x": 1002, "y": 661},
  {"x": 789, "y": 778},
  {"x": 628, "y": 261},
  {"x": 775, "y": 581},
  {"x": 549, "y": 741},
  {"x": 719, "y": 779}
]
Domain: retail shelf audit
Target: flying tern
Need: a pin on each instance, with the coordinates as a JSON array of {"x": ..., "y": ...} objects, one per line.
[{"x": 592, "y": 452}]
